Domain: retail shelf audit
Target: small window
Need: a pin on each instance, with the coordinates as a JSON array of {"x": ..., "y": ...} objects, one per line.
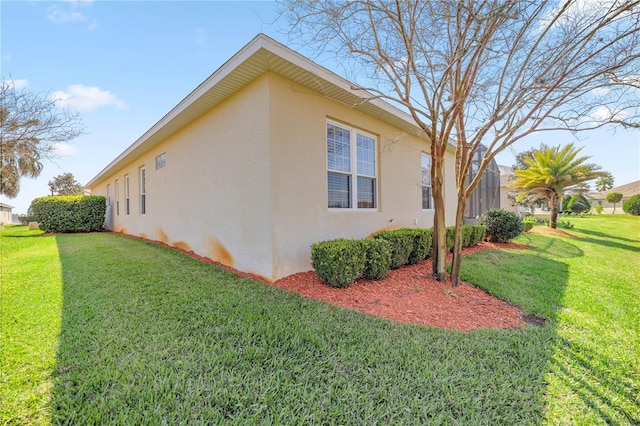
[
  {"x": 108, "y": 195},
  {"x": 126, "y": 195},
  {"x": 351, "y": 168},
  {"x": 427, "y": 195},
  {"x": 161, "y": 160},
  {"x": 117, "y": 189},
  {"x": 143, "y": 191}
]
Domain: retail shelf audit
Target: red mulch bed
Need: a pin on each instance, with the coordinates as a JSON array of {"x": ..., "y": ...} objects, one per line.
[{"x": 410, "y": 295}]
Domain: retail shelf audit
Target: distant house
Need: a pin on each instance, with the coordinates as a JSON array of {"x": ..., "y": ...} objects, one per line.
[
  {"x": 269, "y": 154},
  {"x": 5, "y": 214},
  {"x": 600, "y": 198}
]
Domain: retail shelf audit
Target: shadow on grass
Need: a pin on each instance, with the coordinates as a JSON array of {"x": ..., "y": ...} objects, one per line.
[
  {"x": 605, "y": 235},
  {"x": 152, "y": 336},
  {"x": 612, "y": 396}
]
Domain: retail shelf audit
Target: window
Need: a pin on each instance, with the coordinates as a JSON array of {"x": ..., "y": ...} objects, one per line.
[
  {"x": 161, "y": 160},
  {"x": 143, "y": 191},
  {"x": 427, "y": 195},
  {"x": 108, "y": 195},
  {"x": 117, "y": 189},
  {"x": 126, "y": 195},
  {"x": 351, "y": 157}
]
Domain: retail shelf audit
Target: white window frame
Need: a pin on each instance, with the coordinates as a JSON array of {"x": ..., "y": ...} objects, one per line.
[
  {"x": 126, "y": 195},
  {"x": 161, "y": 160},
  {"x": 142, "y": 185},
  {"x": 426, "y": 183},
  {"x": 353, "y": 168},
  {"x": 117, "y": 197}
]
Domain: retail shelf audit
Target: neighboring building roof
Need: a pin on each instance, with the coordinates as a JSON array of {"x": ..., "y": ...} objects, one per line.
[
  {"x": 628, "y": 190},
  {"x": 260, "y": 55},
  {"x": 7, "y": 206}
]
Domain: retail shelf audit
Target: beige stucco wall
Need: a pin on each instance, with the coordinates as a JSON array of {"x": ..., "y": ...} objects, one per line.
[
  {"x": 299, "y": 173},
  {"x": 5, "y": 215},
  {"x": 246, "y": 184},
  {"x": 212, "y": 196}
]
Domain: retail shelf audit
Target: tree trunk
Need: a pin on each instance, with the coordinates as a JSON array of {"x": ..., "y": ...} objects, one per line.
[
  {"x": 457, "y": 246},
  {"x": 553, "y": 212},
  {"x": 439, "y": 252}
]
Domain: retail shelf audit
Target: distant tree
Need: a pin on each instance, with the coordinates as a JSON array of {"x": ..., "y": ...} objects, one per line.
[
  {"x": 614, "y": 197},
  {"x": 605, "y": 182},
  {"x": 65, "y": 184},
  {"x": 581, "y": 188},
  {"x": 632, "y": 206},
  {"x": 549, "y": 171},
  {"x": 31, "y": 126}
]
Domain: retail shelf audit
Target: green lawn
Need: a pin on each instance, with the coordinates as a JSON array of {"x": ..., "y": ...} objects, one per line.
[{"x": 104, "y": 329}]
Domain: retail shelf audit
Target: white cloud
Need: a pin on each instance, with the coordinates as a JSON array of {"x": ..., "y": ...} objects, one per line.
[
  {"x": 64, "y": 149},
  {"x": 16, "y": 84},
  {"x": 86, "y": 98},
  {"x": 603, "y": 113},
  {"x": 60, "y": 16},
  {"x": 71, "y": 11}
]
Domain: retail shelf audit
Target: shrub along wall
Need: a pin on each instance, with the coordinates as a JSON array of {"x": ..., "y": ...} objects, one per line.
[
  {"x": 72, "y": 213},
  {"x": 341, "y": 262}
]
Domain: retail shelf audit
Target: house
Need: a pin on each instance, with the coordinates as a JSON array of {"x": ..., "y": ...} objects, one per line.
[
  {"x": 600, "y": 198},
  {"x": 5, "y": 214},
  {"x": 268, "y": 155}
]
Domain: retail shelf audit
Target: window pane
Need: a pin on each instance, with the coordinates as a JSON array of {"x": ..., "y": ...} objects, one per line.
[
  {"x": 338, "y": 149},
  {"x": 339, "y": 190},
  {"x": 427, "y": 199},
  {"x": 426, "y": 170},
  {"x": 366, "y": 155},
  {"x": 366, "y": 193},
  {"x": 427, "y": 196}
]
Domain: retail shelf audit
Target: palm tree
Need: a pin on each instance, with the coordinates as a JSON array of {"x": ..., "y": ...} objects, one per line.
[{"x": 548, "y": 171}]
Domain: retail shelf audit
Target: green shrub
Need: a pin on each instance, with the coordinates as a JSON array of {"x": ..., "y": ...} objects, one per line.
[
  {"x": 401, "y": 246},
  {"x": 467, "y": 236},
  {"x": 72, "y": 213},
  {"x": 421, "y": 240},
  {"x": 599, "y": 208},
  {"x": 378, "y": 258},
  {"x": 451, "y": 231},
  {"x": 502, "y": 225},
  {"x": 479, "y": 234},
  {"x": 578, "y": 204},
  {"x": 528, "y": 223},
  {"x": 340, "y": 262},
  {"x": 632, "y": 206},
  {"x": 564, "y": 224}
]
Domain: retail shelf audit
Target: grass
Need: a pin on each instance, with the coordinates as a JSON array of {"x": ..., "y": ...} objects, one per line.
[{"x": 100, "y": 328}]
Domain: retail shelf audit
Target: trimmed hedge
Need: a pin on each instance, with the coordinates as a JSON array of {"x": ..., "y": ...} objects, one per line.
[
  {"x": 378, "y": 258},
  {"x": 70, "y": 213},
  {"x": 340, "y": 262},
  {"x": 479, "y": 234},
  {"x": 401, "y": 246},
  {"x": 467, "y": 236}
]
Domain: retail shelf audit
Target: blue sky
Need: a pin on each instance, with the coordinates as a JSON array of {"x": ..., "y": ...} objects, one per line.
[{"x": 124, "y": 64}]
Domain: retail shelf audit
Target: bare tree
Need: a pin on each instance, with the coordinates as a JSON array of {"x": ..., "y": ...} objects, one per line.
[
  {"x": 485, "y": 72},
  {"x": 31, "y": 126}
]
